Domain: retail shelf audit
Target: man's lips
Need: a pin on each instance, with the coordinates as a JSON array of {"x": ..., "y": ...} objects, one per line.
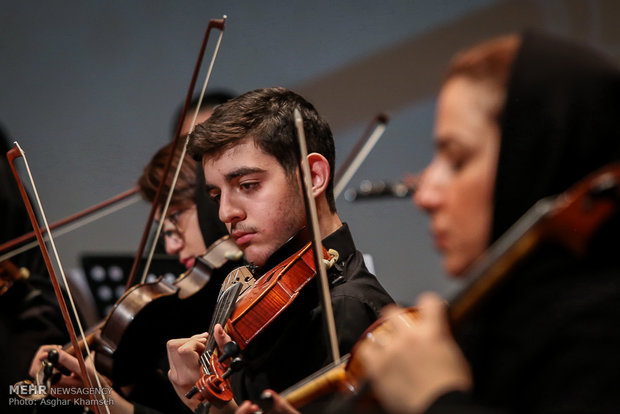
[{"x": 242, "y": 238}]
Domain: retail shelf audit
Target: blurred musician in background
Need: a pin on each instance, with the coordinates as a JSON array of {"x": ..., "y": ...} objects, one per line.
[
  {"x": 519, "y": 118},
  {"x": 191, "y": 224}
]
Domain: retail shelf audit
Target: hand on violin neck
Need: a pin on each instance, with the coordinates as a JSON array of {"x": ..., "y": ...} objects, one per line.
[
  {"x": 221, "y": 337},
  {"x": 271, "y": 403},
  {"x": 417, "y": 361},
  {"x": 183, "y": 357},
  {"x": 39, "y": 357}
]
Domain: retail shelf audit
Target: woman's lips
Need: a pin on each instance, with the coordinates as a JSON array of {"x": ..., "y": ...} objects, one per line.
[
  {"x": 189, "y": 263},
  {"x": 440, "y": 240}
]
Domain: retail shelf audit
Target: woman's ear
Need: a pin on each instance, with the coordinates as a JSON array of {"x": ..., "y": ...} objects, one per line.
[{"x": 320, "y": 173}]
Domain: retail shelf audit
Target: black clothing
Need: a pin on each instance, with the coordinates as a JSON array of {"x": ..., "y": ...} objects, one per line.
[
  {"x": 548, "y": 340},
  {"x": 211, "y": 227},
  {"x": 295, "y": 346},
  {"x": 153, "y": 392}
]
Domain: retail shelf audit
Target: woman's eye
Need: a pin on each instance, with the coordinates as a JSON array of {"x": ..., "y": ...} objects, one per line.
[
  {"x": 458, "y": 164},
  {"x": 215, "y": 197}
]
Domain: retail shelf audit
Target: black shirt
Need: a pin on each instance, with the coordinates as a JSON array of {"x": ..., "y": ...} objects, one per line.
[{"x": 295, "y": 346}]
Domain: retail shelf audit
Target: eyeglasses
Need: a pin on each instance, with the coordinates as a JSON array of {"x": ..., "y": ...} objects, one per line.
[{"x": 176, "y": 234}]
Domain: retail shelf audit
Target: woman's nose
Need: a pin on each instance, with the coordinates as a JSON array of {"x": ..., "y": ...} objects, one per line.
[{"x": 428, "y": 194}]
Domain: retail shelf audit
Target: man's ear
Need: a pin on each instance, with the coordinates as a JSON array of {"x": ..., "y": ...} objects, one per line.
[{"x": 320, "y": 173}]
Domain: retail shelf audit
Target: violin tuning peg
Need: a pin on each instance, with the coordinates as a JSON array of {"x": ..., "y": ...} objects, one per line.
[
  {"x": 235, "y": 365},
  {"x": 231, "y": 349},
  {"x": 48, "y": 370},
  {"x": 191, "y": 392},
  {"x": 53, "y": 356}
]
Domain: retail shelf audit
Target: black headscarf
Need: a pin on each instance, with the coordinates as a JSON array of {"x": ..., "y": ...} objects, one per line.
[
  {"x": 208, "y": 212},
  {"x": 559, "y": 123},
  {"x": 547, "y": 339}
]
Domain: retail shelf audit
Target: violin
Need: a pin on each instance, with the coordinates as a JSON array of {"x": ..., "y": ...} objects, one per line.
[
  {"x": 249, "y": 313},
  {"x": 127, "y": 343},
  {"x": 127, "y": 346},
  {"x": 570, "y": 219}
]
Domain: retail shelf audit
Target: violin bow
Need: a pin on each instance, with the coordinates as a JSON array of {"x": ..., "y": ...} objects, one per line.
[
  {"x": 77, "y": 220},
  {"x": 316, "y": 236},
  {"x": 213, "y": 24},
  {"x": 12, "y": 155},
  {"x": 360, "y": 151}
]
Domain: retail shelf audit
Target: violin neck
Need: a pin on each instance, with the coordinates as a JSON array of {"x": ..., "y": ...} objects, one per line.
[
  {"x": 322, "y": 382},
  {"x": 223, "y": 310}
]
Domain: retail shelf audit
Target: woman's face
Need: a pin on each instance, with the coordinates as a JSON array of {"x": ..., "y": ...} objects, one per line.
[{"x": 456, "y": 189}]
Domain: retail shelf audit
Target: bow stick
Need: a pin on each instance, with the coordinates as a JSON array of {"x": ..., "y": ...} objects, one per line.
[
  {"x": 12, "y": 155},
  {"x": 77, "y": 220},
  {"x": 213, "y": 23},
  {"x": 316, "y": 236},
  {"x": 359, "y": 153}
]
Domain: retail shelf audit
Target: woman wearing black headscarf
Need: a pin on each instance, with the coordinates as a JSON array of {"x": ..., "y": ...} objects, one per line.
[{"x": 518, "y": 119}]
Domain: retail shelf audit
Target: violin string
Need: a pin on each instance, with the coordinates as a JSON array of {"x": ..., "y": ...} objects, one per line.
[
  {"x": 77, "y": 224},
  {"x": 177, "y": 171},
  {"x": 224, "y": 308},
  {"x": 359, "y": 158},
  {"x": 60, "y": 267},
  {"x": 217, "y": 316}
]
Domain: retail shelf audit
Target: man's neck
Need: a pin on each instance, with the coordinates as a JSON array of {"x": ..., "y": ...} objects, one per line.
[{"x": 329, "y": 224}]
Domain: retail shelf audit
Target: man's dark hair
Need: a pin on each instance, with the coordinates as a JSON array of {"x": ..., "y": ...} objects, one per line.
[{"x": 266, "y": 115}]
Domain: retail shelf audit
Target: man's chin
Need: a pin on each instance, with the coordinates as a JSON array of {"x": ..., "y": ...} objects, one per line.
[{"x": 255, "y": 256}]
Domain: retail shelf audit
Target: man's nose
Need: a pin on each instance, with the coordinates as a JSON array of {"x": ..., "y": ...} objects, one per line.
[{"x": 229, "y": 211}]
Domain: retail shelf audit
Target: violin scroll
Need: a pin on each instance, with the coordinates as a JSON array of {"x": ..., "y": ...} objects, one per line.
[{"x": 9, "y": 274}]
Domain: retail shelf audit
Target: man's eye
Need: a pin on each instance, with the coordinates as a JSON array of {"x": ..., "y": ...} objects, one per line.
[{"x": 249, "y": 186}]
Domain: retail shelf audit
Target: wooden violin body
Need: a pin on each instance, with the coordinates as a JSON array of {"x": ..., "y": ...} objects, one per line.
[
  {"x": 134, "y": 334},
  {"x": 256, "y": 309},
  {"x": 271, "y": 295}
]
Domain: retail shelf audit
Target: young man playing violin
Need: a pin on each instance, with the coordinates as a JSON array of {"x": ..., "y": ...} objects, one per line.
[{"x": 249, "y": 152}]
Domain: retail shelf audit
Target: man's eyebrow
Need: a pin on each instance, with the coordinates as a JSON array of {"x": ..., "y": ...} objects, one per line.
[{"x": 240, "y": 172}]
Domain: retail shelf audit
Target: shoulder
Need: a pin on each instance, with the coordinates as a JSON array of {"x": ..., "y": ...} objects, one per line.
[{"x": 354, "y": 283}]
